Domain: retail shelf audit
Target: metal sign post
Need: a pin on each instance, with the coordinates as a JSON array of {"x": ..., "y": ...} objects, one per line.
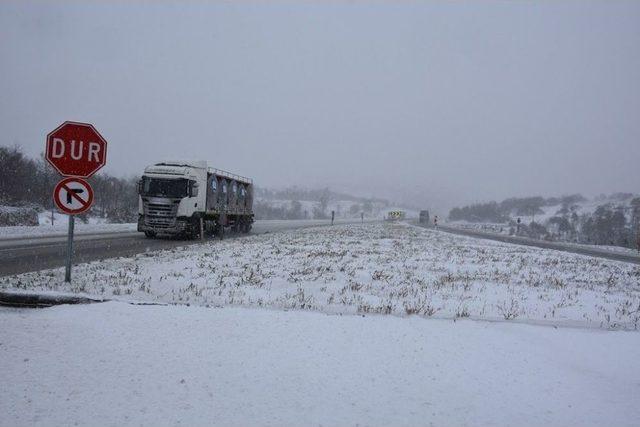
[
  {"x": 72, "y": 196},
  {"x": 67, "y": 271}
]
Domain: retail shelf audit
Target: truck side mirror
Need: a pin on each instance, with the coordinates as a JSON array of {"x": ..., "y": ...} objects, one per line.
[
  {"x": 193, "y": 189},
  {"x": 140, "y": 187}
]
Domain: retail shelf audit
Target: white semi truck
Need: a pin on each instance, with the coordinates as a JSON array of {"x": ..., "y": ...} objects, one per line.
[{"x": 191, "y": 199}]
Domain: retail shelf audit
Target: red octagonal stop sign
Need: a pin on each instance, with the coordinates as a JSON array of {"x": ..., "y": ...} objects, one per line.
[{"x": 76, "y": 149}]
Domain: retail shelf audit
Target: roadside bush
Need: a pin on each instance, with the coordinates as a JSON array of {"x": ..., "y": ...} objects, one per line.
[
  {"x": 18, "y": 216},
  {"x": 482, "y": 212}
]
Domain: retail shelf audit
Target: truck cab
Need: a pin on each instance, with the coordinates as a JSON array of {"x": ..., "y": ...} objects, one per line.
[{"x": 170, "y": 197}]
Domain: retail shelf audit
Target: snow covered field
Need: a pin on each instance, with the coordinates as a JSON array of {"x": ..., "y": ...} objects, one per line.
[
  {"x": 377, "y": 268},
  {"x": 118, "y": 364}
]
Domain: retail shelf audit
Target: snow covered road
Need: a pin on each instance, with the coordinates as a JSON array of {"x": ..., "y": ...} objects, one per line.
[
  {"x": 115, "y": 364},
  {"x": 46, "y": 248}
]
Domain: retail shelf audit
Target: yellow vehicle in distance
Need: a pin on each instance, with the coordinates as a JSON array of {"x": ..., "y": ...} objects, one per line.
[{"x": 395, "y": 215}]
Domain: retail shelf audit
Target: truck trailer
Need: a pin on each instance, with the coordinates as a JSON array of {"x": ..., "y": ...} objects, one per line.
[{"x": 190, "y": 199}]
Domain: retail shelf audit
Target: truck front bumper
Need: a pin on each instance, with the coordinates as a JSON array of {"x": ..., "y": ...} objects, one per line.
[{"x": 180, "y": 226}]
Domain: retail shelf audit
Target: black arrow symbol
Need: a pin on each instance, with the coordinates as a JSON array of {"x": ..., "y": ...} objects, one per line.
[{"x": 75, "y": 190}]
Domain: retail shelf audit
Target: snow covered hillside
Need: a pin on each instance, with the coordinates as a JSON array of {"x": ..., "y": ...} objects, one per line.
[
  {"x": 373, "y": 268},
  {"x": 542, "y": 210},
  {"x": 586, "y": 207},
  {"x": 612, "y": 220}
]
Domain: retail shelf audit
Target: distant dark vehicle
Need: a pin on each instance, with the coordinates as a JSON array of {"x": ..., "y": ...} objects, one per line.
[{"x": 424, "y": 217}]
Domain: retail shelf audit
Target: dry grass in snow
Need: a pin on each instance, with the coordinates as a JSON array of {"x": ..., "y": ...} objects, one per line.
[{"x": 373, "y": 268}]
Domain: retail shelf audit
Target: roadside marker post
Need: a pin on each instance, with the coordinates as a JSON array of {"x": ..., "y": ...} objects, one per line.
[{"x": 76, "y": 151}]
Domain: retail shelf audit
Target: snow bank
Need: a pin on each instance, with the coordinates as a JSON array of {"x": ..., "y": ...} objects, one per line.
[
  {"x": 61, "y": 226},
  {"x": 373, "y": 268},
  {"x": 34, "y": 222},
  {"x": 116, "y": 364}
]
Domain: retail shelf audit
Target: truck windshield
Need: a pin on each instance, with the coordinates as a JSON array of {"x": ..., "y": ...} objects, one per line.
[{"x": 164, "y": 187}]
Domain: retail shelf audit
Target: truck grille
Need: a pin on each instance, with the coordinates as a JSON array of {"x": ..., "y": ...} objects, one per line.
[{"x": 160, "y": 215}]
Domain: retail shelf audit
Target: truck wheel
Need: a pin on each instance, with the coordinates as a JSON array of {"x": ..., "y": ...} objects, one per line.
[
  {"x": 219, "y": 231},
  {"x": 194, "y": 233},
  {"x": 150, "y": 234}
]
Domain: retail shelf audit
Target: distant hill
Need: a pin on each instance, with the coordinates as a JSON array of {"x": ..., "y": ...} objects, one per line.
[{"x": 612, "y": 219}]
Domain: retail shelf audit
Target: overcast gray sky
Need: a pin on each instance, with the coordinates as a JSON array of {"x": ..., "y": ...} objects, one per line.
[{"x": 446, "y": 102}]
